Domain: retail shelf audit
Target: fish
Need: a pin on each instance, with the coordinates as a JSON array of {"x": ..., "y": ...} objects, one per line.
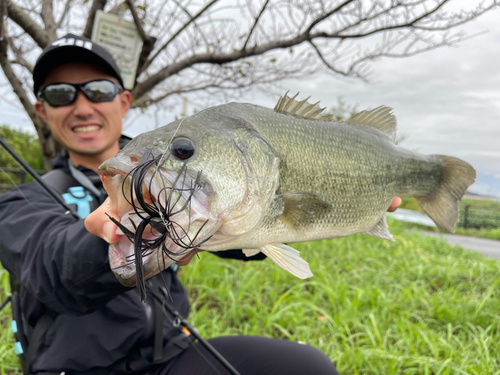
[{"x": 243, "y": 176}]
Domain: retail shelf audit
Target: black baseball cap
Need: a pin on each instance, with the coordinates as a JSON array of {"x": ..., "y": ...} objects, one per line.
[{"x": 69, "y": 49}]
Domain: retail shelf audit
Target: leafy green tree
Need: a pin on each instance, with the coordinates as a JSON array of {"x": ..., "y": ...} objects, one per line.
[
  {"x": 27, "y": 146},
  {"x": 342, "y": 111}
]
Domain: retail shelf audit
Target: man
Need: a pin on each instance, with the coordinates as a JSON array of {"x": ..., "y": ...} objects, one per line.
[{"x": 75, "y": 315}]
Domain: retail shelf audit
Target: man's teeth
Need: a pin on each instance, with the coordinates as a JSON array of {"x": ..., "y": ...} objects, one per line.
[{"x": 86, "y": 129}]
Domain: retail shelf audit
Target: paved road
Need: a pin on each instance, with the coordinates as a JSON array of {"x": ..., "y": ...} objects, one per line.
[
  {"x": 489, "y": 248},
  {"x": 412, "y": 217}
]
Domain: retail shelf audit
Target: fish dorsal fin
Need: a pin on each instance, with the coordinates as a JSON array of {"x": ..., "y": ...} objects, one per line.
[
  {"x": 379, "y": 118},
  {"x": 300, "y": 109}
]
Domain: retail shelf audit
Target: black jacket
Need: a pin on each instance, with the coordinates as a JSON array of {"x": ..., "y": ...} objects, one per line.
[{"x": 64, "y": 269}]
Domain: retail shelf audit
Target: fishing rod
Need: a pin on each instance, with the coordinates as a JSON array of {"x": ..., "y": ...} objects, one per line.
[
  {"x": 178, "y": 320},
  {"x": 35, "y": 175}
]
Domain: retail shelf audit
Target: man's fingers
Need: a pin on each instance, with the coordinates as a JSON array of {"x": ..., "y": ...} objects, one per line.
[
  {"x": 395, "y": 204},
  {"x": 185, "y": 261},
  {"x": 99, "y": 224}
]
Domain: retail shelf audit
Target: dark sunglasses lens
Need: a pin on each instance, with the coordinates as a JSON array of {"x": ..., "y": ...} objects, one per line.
[
  {"x": 100, "y": 91},
  {"x": 59, "y": 94}
]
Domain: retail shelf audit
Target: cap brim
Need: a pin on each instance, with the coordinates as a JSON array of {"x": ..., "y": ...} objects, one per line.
[{"x": 69, "y": 54}]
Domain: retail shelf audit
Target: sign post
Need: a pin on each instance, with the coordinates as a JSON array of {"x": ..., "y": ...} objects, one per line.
[{"x": 121, "y": 39}]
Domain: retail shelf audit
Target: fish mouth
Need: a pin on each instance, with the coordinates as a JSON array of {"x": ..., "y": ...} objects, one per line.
[{"x": 164, "y": 215}]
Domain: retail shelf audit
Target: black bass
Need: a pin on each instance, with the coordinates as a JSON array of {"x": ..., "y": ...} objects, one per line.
[{"x": 242, "y": 176}]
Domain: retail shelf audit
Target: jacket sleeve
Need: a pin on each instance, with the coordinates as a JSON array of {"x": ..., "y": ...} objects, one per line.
[
  {"x": 52, "y": 254},
  {"x": 238, "y": 254}
]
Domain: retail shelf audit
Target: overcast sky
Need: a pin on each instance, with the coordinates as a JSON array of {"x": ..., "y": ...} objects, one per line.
[{"x": 446, "y": 101}]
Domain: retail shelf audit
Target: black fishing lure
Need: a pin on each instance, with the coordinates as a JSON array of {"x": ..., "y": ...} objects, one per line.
[{"x": 156, "y": 218}]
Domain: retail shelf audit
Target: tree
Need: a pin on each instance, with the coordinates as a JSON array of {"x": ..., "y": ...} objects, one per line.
[
  {"x": 212, "y": 46},
  {"x": 27, "y": 146}
]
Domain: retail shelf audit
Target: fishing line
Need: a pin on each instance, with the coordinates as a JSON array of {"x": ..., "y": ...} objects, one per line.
[
  {"x": 205, "y": 358},
  {"x": 15, "y": 185},
  {"x": 35, "y": 175},
  {"x": 169, "y": 143},
  {"x": 179, "y": 321}
]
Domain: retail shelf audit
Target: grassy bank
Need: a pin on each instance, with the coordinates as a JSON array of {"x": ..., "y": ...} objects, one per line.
[
  {"x": 489, "y": 233},
  {"x": 413, "y": 306},
  {"x": 8, "y": 359},
  {"x": 411, "y": 203}
]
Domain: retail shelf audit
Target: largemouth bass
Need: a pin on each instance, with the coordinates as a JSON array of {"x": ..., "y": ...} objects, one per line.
[{"x": 242, "y": 176}]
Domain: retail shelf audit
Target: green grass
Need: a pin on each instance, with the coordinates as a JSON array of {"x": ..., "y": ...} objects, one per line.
[
  {"x": 413, "y": 306},
  {"x": 8, "y": 359},
  {"x": 480, "y": 202},
  {"x": 489, "y": 233},
  {"x": 478, "y": 207}
]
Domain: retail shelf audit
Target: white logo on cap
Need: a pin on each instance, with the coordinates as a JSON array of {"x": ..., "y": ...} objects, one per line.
[{"x": 73, "y": 42}]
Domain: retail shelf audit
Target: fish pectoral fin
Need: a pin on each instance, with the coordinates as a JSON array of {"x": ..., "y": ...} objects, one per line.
[
  {"x": 250, "y": 252},
  {"x": 381, "y": 230},
  {"x": 301, "y": 209},
  {"x": 288, "y": 258},
  {"x": 379, "y": 118}
]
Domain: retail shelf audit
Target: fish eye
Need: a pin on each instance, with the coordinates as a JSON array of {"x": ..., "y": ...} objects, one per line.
[{"x": 182, "y": 148}]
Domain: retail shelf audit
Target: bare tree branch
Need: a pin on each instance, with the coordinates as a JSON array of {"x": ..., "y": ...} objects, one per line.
[
  {"x": 255, "y": 24},
  {"x": 67, "y": 6},
  {"x": 19, "y": 56},
  {"x": 119, "y": 8},
  {"x": 326, "y": 15},
  {"x": 17, "y": 15},
  {"x": 96, "y": 5},
  {"x": 320, "y": 55},
  {"x": 137, "y": 21},
  {"x": 148, "y": 42},
  {"x": 48, "y": 19},
  {"x": 3, "y": 16},
  {"x": 213, "y": 58},
  {"x": 41, "y": 128},
  {"x": 191, "y": 20}
]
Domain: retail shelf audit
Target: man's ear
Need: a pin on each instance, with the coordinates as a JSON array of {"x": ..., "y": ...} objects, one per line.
[
  {"x": 39, "y": 107},
  {"x": 125, "y": 98}
]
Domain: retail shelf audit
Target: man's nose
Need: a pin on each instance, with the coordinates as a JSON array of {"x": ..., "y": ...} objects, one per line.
[{"x": 82, "y": 106}]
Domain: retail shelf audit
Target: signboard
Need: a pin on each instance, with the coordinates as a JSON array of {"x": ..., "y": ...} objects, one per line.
[{"x": 121, "y": 39}]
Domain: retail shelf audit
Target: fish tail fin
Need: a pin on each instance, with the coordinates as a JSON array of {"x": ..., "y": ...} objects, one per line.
[{"x": 442, "y": 204}]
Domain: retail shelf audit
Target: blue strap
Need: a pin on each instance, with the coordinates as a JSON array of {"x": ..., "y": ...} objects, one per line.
[{"x": 77, "y": 195}]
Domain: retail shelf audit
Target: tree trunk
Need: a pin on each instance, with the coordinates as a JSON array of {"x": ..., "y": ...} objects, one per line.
[{"x": 49, "y": 145}]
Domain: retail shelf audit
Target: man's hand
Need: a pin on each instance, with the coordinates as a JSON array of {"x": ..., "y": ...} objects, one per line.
[
  {"x": 395, "y": 204},
  {"x": 188, "y": 258},
  {"x": 98, "y": 223}
]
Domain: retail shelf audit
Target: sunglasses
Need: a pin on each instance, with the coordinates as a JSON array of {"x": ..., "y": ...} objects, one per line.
[{"x": 61, "y": 94}]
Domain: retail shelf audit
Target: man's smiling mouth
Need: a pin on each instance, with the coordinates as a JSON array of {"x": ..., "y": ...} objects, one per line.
[{"x": 86, "y": 129}]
